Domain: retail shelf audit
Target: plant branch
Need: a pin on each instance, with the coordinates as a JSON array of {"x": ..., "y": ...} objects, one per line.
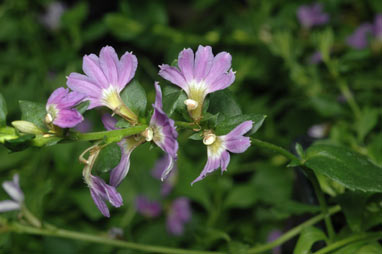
[
  {"x": 275, "y": 148},
  {"x": 293, "y": 232},
  {"x": 62, "y": 233}
]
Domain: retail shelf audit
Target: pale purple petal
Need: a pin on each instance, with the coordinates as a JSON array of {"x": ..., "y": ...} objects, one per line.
[
  {"x": 13, "y": 189},
  {"x": 241, "y": 129},
  {"x": 238, "y": 145},
  {"x": 173, "y": 75},
  {"x": 224, "y": 161},
  {"x": 9, "y": 205},
  {"x": 377, "y": 29},
  {"x": 126, "y": 69},
  {"x": 57, "y": 95},
  {"x": 220, "y": 65},
  {"x": 186, "y": 64},
  {"x": 109, "y": 122},
  {"x": 91, "y": 67},
  {"x": 273, "y": 236},
  {"x": 315, "y": 58},
  {"x": 82, "y": 84},
  {"x": 68, "y": 118},
  {"x": 179, "y": 215},
  {"x": 147, "y": 208},
  {"x": 312, "y": 15},
  {"x": 120, "y": 171},
  {"x": 211, "y": 165},
  {"x": 84, "y": 126},
  {"x": 108, "y": 60},
  {"x": 203, "y": 62},
  {"x": 225, "y": 81},
  {"x": 359, "y": 39},
  {"x": 70, "y": 100},
  {"x": 100, "y": 203}
]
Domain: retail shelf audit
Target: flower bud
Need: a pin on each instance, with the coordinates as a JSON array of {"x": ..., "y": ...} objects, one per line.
[
  {"x": 191, "y": 104},
  {"x": 27, "y": 127},
  {"x": 209, "y": 139},
  {"x": 148, "y": 134}
]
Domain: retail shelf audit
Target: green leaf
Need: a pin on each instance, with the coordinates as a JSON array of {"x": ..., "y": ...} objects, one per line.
[
  {"x": 196, "y": 136},
  {"x": 222, "y": 102},
  {"x": 370, "y": 249},
  {"x": 242, "y": 196},
  {"x": 19, "y": 144},
  {"x": 354, "y": 214},
  {"x": 134, "y": 96},
  {"x": 3, "y": 111},
  {"x": 123, "y": 27},
  {"x": 108, "y": 158},
  {"x": 366, "y": 123},
  {"x": 83, "y": 106},
  {"x": 345, "y": 166},
  {"x": 230, "y": 123},
  {"x": 307, "y": 238},
  {"x": 33, "y": 112},
  {"x": 7, "y": 133},
  {"x": 327, "y": 106},
  {"x": 171, "y": 96}
]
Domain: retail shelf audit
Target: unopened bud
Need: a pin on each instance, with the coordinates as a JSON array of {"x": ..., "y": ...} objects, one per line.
[
  {"x": 209, "y": 139},
  {"x": 27, "y": 127},
  {"x": 191, "y": 104},
  {"x": 148, "y": 134}
]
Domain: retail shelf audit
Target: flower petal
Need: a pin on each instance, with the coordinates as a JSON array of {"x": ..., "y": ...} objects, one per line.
[
  {"x": 13, "y": 189},
  {"x": 240, "y": 130},
  {"x": 220, "y": 65},
  {"x": 108, "y": 60},
  {"x": 223, "y": 82},
  {"x": 100, "y": 203},
  {"x": 92, "y": 69},
  {"x": 68, "y": 118},
  {"x": 173, "y": 75},
  {"x": 126, "y": 69},
  {"x": 109, "y": 122},
  {"x": 203, "y": 62},
  {"x": 107, "y": 192},
  {"x": 186, "y": 64},
  {"x": 148, "y": 207},
  {"x": 211, "y": 165},
  {"x": 224, "y": 160},
  {"x": 120, "y": 171},
  {"x": 82, "y": 84},
  {"x": 57, "y": 95},
  {"x": 9, "y": 205},
  {"x": 238, "y": 145}
]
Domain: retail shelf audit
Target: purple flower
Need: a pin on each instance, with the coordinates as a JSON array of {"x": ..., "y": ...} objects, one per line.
[
  {"x": 218, "y": 147},
  {"x": 84, "y": 126},
  {"x": 162, "y": 131},
  {"x": 178, "y": 216},
  {"x": 147, "y": 208},
  {"x": 312, "y": 15},
  {"x": 359, "y": 39},
  {"x": 106, "y": 76},
  {"x": 377, "y": 28},
  {"x": 127, "y": 145},
  {"x": 273, "y": 235},
  {"x": 14, "y": 191},
  {"x": 315, "y": 58},
  {"x": 199, "y": 76},
  {"x": 60, "y": 109},
  {"x": 52, "y": 17},
  {"x": 157, "y": 172},
  {"x": 99, "y": 190}
]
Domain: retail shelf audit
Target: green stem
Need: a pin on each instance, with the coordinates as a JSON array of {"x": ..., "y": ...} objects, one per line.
[
  {"x": 357, "y": 238},
  {"x": 293, "y": 232},
  {"x": 62, "y": 233},
  {"x": 275, "y": 148},
  {"x": 113, "y": 134},
  {"x": 321, "y": 199}
]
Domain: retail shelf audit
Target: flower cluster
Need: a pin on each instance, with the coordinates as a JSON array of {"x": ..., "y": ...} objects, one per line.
[{"x": 105, "y": 77}]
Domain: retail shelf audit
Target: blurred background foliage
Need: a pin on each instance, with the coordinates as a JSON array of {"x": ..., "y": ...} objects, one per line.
[{"x": 43, "y": 41}]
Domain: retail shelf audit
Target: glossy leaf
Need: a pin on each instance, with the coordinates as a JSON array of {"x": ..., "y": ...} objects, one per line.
[
  {"x": 3, "y": 111},
  {"x": 345, "y": 166},
  {"x": 307, "y": 238},
  {"x": 108, "y": 158},
  {"x": 222, "y": 102},
  {"x": 135, "y": 97},
  {"x": 33, "y": 112}
]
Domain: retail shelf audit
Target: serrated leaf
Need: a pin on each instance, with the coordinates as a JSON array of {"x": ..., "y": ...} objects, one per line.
[
  {"x": 134, "y": 96},
  {"x": 33, "y": 112},
  {"x": 242, "y": 196},
  {"x": 230, "y": 123},
  {"x": 307, "y": 238},
  {"x": 3, "y": 111},
  {"x": 108, "y": 158},
  {"x": 345, "y": 166},
  {"x": 19, "y": 144},
  {"x": 223, "y": 102}
]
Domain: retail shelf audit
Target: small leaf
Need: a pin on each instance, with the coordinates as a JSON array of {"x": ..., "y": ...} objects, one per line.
[
  {"x": 196, "y": 136},
  {"x": 7, "y": 133},
  {"x": 300, "y": 150},
  {"x": 134, "y": 96},
  {"x": 366, "y": 123},
  {"x": 171, "y": 95},
  {"x": 345, "y": 166},
  {"x": 19, "y": 144},
  {"x": 222, "y": 102},
  {"x": 83, "y": 106},
  {"x": 108, "y": 158},
  {"x": 242, "y": 196},
  {"x": 307, "y": 238},
  {"x": 33, "y": 112},
  {"x": 3, "y": 111},
  {"x": 230, "y": 123},
  {"x": 210, "y": 119}
]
